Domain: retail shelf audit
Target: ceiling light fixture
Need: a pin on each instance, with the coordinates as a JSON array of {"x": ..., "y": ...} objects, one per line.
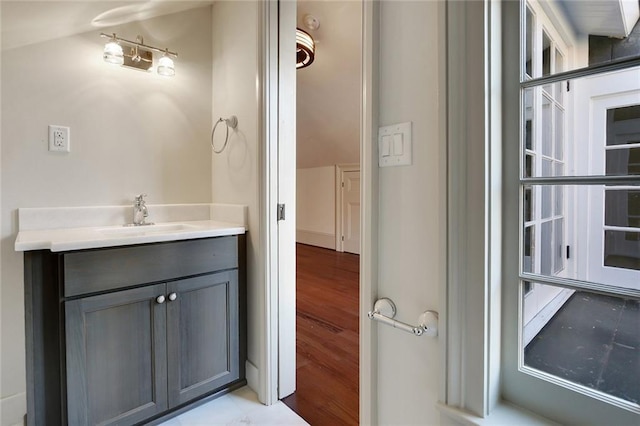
[
  {"x": 137, "y": 55},
  {"x": 305, "y": 49}
]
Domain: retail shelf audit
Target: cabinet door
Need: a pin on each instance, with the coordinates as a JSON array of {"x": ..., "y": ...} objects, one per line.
[
  {"x": 202, "y": 335},
  {"x": 116, "y": 357}
]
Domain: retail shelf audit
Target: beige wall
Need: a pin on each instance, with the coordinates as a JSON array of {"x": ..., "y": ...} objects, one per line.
[
  {"x": 412, "y": 218},
  {"x": 316, "y": 204},
  {"x": 236, "y": 171},
  {"x": 131, "y": 132}
]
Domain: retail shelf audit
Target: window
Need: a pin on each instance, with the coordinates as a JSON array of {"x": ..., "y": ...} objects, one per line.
[
  {"x": 497, "y": 181},
  {"x": 577, "y": 288}
]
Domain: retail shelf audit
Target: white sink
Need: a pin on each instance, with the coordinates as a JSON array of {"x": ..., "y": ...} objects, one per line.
[{"x": 126, "y": 231}]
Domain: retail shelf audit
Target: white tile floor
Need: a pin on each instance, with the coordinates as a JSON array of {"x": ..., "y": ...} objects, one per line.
[{"x": 240, "y": 407}]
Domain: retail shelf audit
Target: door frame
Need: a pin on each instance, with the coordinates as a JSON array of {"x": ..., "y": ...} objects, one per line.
[
  {"x": 277, "y": 114},
  {"x": 278, "y": 293},
  {"x": 369, "y": 211},
  {"x": 340, "y": 169}
]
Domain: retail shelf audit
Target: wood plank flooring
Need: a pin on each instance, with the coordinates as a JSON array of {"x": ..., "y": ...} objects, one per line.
[{"x": 327, "y": 337}]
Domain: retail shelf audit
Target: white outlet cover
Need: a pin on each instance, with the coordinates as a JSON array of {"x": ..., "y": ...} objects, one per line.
[
  {"x": 395, "y": 145},
  {"x": 59, "y": 138}
]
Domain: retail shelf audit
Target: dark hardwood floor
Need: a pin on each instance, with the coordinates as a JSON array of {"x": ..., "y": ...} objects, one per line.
[{"x": 327, "y": 337}]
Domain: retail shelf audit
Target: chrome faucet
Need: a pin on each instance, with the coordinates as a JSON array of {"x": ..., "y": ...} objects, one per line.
[{"x": 140, "y": 211}]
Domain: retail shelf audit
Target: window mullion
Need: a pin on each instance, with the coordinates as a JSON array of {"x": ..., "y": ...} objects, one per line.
[
  {"x": 632, "y": 180},
  {"x": 580, "y": 285},
  {"x": 619, "y": 65}
]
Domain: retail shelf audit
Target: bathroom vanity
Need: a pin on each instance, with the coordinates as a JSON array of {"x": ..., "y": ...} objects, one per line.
[{"x": 131, "y": 333}]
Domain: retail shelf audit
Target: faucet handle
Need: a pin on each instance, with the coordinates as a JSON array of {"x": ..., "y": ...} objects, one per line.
[{"x": 140, "y": 198}]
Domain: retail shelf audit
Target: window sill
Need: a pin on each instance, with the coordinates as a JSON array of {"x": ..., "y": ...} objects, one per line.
[{"x": 502, "y": 414}]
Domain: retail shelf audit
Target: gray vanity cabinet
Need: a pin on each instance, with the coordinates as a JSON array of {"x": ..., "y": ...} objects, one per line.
[
  {"x": 202, "y": 335},
  {"x": 116, "y": 357},
  {"x": 132, "y": 335}
]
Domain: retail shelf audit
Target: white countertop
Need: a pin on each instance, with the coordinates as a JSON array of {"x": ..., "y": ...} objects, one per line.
[
  {"x": 77, "y": 228},
  {"x": 111, "y": 236}
]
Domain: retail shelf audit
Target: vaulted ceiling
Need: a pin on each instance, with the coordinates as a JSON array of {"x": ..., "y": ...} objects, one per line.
[
  {"x": 328, "y": 91},
  {"x": 28, "y": 22}
]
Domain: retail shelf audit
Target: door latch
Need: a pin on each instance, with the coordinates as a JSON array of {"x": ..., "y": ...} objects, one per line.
[{"x": 280, "y": 212}]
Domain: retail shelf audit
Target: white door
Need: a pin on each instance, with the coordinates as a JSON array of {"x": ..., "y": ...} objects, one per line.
[
  {"x": 350, "y": 216},
  {"x": 545, "y": 230},
  {"x": 284, "y": 281},
  {"x": 612, "y": 216}
]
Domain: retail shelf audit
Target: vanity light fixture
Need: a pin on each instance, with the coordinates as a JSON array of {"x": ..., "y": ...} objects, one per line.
[
  {"x": 305, "y": 49},
  {"x": 137, "y": 55},
  {"x": 165, "y": 66},
  {"x": 113, "y": 53}
]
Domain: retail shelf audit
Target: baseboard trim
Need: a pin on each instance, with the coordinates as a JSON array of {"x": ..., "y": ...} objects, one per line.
[
  {"x": 253, "y": 376},
  {"x": 318, "y": 239},
  {"x": 13, "y": 409}
]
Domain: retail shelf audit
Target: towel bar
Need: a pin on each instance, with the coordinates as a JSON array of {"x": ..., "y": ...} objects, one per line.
[{"x": 384, "y": 310}]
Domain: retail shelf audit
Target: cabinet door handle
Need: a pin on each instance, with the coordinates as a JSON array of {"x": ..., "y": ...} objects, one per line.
[
  {"x": 173, "y": 296},
  {"x": 160, "y": 299}
]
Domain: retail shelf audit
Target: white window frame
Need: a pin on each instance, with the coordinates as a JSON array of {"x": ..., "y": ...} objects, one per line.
[
  {"x": 479, "y": 327},
  {"x": 470, "y": 299}
]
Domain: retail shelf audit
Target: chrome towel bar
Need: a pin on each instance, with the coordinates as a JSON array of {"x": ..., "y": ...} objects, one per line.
[{"x": 384, "y": 310}]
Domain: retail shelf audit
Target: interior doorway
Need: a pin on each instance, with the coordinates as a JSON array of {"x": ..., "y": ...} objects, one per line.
[
  {"x": 327, "y": 337},
  {"x": 348, "y": 208},
  {"x": 328, "y": 139}
]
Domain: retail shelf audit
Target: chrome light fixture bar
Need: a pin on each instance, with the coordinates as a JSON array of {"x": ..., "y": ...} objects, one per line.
[{"x": 137, "y": 55}]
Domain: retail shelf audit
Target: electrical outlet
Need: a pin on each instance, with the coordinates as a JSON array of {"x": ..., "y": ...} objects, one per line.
[{"x": 59, "y": 138}]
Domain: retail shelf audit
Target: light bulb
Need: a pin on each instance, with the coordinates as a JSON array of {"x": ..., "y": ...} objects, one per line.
[
  {"x": 113, "y": 53},
  {"x": 165, "y": 66}
]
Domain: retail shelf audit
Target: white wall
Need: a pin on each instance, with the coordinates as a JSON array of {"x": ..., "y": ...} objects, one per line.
[
  {"x": 236, "y": 171},
  {"x": 316, "y": 206},
  {"x": 412, "y": 250},
  {"x": 131, "y": 132}
]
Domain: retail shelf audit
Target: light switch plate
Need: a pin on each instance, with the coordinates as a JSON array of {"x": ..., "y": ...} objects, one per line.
[
  {"x": 385, "y": 147},
  {"x": 395, "y": 145}
]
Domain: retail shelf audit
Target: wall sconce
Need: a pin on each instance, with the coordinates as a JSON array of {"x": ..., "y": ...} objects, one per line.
[
  {"x": 305, "y": 49},
  {"x": 137, "y": 55}
]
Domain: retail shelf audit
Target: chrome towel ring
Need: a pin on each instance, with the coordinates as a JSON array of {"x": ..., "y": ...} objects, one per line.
[{"x": 229, "y": 122}]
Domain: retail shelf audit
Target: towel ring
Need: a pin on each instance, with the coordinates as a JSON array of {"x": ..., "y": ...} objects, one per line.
[{"x": 230, "y": 122}]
